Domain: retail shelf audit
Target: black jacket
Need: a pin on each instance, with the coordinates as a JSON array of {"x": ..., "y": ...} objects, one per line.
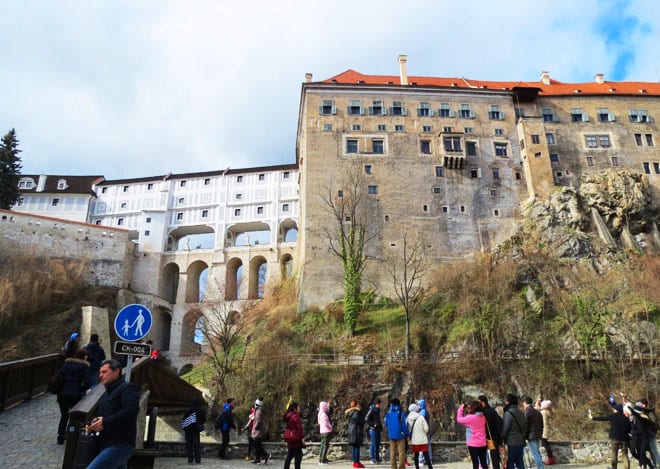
[
  {"x": 534, "y": 423},
  {"x": 373, "y": 420},
  {"x": 119, "y": 407},
  {"x": 74, "y": 372},
  {"x": 96, "y": 355},
  {"x": 514, "y": 426},
  {"x": 494, "y": 422},
  {"x": 619, "y": 425}
]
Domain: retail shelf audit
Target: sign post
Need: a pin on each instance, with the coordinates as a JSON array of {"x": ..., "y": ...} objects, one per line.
[{"x": 132, "y": 323}]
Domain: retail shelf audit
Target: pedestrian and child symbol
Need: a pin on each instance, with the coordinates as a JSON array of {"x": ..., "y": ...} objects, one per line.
[{"x": 131, "y": 322}]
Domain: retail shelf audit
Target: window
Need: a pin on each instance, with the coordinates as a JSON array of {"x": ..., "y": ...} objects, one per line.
[
  {"x": 368, "y": 169},
  {"x": 378, "y": 146},
  {"x": 474, "y": 173},
  {"x": 494, "y": 112},
  {"x": 499, "y": 132},
  {"x": 518, "y": 175},
  {"x": 398, "y": 109},
  {"x": 150, "y": 186},
  {"x": 377, "y": 109},
  {"x": 262, "y": 177},
  {"x": 183, "y": 183},
  {"x": 537, "y": 154},
  {"x": 445, "y": 209},
  {"x": 260, "y": 210},
  {"x": 471, "y": 148},
  {"x": 340, "y": 194},
  {"x": 647, "y": 167},
  {"x": 522, "y": 144},
  {"x": 356, "y": 127},
  {"x": 496, "y": 212},
  {"x": 61, "y": 184},
  {"x": 285, "y": 207},
  {"x": 496, "y": 173},
  {"x": 604, "y": 115},
  {"x": 638, "y": 139},
  {"x": 519, "y": 112},
  {"x": 286, "y": 175},
  {"x": 445, "y": 110},
  {"x": 399, "y": 128},
  {"x": 439, "y": 171},
  {"x": 181, "y": 200},
  {"x": 615, "y": 161},
  {"x": 147, "y": 232},
  {"x": 554, "y": 158},
  {"x": 97, "y": 222},
  {"x": 536, "y": 139},
  {"x": 238, "y": 196},
  {"x": 327, "y": 108},
  {"x": 427, "y": 129},
  {"x": 207, "y": 181},
  {"x": 239, "y": 178},
  {"x": 639, "y": 115},
  {"x": 462, "y": 208},
  {"x": 355, "y": 108},
  {"x": 425, "y": 147},
  {"x": 125, "y": 189},
  {"x": 327, "y": 127},
  {"x": 147, "y": 220},
  {"x": 548, "y": 115},
  {"x": 590, "y": 160},
  {"x": 425, "y": 208},
  {"x": 55, "y": 202},
  {"x": 21, "y": 184},
  {"x": 437, "y": 190},
  {"x": 120, "y": 221},
  {"x": 465, "y": 112},
  {"x": 597, "y": 141},
  {"x": 550, "y": 138},
  {"x": 20, "y": 202},
  {"x": 104, "y": 190},
  {"x": 578, "y": 116},
  {"x": 446, "y": 129},
  {"x": 123, "y": 205},
  {"x": 452, "y": 144},
  {"x": 372, "y": 190},
  {"x": 493, "y": 192},
  {"x": 179, "y": 216},
  {"x": 656, "y": 167},
  {"x": 468, "y": 130},
  {"x": 649, "y": 140},
  {"x": 424, "y": 110},
  {"x": 351, "y": 145},
  {"x": 205, "y": 213},
  {"x": 501, "y": 149},
  {"x": 237, "y": 212},
  {"x": 604, "y": 141},
  {"x": 381, "y": 128}
]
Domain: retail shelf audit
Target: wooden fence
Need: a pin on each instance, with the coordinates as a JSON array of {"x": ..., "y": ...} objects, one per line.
[{"x": 23, "y": 379}]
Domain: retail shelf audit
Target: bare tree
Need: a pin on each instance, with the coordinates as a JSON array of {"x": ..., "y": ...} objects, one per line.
[
  {"x": 407, "y": 267},
  {"x": 348, "y": 236}
]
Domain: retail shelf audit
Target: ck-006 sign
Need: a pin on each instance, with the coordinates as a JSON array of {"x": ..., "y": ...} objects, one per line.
[{"x": 132, "y": 348}]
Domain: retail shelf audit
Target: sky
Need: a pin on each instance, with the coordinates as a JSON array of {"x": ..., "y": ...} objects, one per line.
[{"x": 134, "y": 88}]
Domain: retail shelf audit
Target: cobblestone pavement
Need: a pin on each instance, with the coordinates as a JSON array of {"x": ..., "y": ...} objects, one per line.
[{"x": 28, "y": 438}]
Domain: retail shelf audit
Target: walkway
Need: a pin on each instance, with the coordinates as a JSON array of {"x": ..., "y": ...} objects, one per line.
[{"x": 28, "y": 439}]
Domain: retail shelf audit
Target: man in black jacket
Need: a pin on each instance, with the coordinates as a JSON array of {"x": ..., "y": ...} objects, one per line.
[
  {"x": 493, "y": 430},
  {"x": 116, "y": 418},
  {"x": 619, "y": 429},
  {"x": 534, "y": 430}
]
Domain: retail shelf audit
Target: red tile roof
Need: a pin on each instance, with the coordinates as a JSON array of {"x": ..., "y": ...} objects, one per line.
[{"x": 555, "y": 88}]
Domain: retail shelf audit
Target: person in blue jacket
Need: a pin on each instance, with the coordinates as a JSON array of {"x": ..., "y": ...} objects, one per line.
[
  {"x": 397, "y": 432},
  {"x": 225, "y": 422}
]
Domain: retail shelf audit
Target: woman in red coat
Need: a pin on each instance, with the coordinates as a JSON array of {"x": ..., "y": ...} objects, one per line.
[{"x": 294, "y": 436}]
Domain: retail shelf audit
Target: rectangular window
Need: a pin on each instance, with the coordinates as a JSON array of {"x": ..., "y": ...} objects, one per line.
[
  {"x": 647, "y": 167},
  {"x": 496, "y": 212},
  {"x": 207, "y": 181},
  {"x": 285, "y": 207},
  {"x": 499, "y": 132},
  {"x": 519, "y": 112},
  {"x": 604, "y": 141},
  {"x": 351, "y": 145},
  {"x": 183, "y": 183},
  {"x": 591, "y": 141},
  {"x": 399, "y": 128},
  {"x": 327, "y": 108},
  {"x": 554, "y": 158},
  {"x": 577, "y": 115},
  {"x": 239, "y": 178},
  {"x": 452, "y": 144},
  {"x": 179, "y": 216},
  {"x": 548, "y": 115},
  {"x": 465, "y": 112},
  {"x": 355, "y": 108},
  {"x": 237, "y": 212},
  {"x": 381, "y": 128},
  {"x": 205, "y": 213},
  {"x": 639, "y": 115},
  {"x": 150, "y": 186},
  {"x": 424, "y": 110},
  {"x": 536, "y": 139},
  {"x": 147, "y": 220},
  {"x": 445, "y": 209},
  {"x": 638, "y": 139},
  {"x": 147, "y": 232},
  {"x": 656, "y": 167},
  {"x": 537, "y": 154},
  {"x": 372, "y": 190},
  {"x": 494, "y": 112},
  {"x": 327, "y": 127},
  {"x": 597, "y": 141},
  {"x": 124, "y": 204},
  {"x": 493, "y": 192},
  {"x": 550, "y": 138},
  {"x": 649, "y": 140},
  {"x": 615, "y": 161},
  {"x": 439, "y": 171},
  {"x": 474, "y": 173},
  {"x": 604, "y": 115},
  {"x": 446, "y": 129},
  {"x": 125, "y": 188},
  {"x": 378, "y": 146},
  {"x": 471, "y": 148},
  {"x": 368, "y": 169},
  {"x": 260, "y": 210},
  {"x": 425, "y": 147},
  {"x": 437, "y": 190},
  {"x": 522, "y": 144},
  {"x": 496, "y": 173},
  {"x": 20, "y": 202},
  {"x": 55, "y": 202},
  {"x": 286, "y": 175},
  {"x": 179, "y": 201},
  {"x": 377, "y": 108},
  {"x": 445, "y": 110},
  {"x": 468, "y": 130},
  {"x": 120, "y": 221},
  {"x": 238, "y": 196},
  {"x": 104, "y": 190},
  {"x": 356, "y": 127},
  {"x": 398, "y": 109},
  {"x": 501, "y": 149},
  {"x": 427, "y": 129},
  {"x": 262, "y": 177},
  {"x": 590, "y": 160},
  {"x": 462, "y": 208}
]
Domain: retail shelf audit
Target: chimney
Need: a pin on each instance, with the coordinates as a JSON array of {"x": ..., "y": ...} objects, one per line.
[
  {"x": 600, "y": 78},
  {"x": 403, "y": 72},
  {"x": 545, "y": 78},
  {"x": 308, "y": 77},
  {"x": 41, "y": 185}
]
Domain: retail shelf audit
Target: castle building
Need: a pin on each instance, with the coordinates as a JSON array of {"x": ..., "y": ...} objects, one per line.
[{"x": 450, "y": 160}]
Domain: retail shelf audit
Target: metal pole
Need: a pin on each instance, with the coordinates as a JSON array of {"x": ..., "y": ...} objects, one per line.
[{"x": 129, "y": 366}]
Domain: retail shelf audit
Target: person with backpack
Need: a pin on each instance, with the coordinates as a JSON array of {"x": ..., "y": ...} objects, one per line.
[
  {"x": 397, "y": 432},
  {"x": 193, "y": 424},
  {"x": 225, "y": 423},
  {"x": 96, "y": 356},
  {"x": 493, "y": 430},
  {"x": 514, "y": 429},
  {"x": 73, "y": 381},
  {"x": 374, "y": 426},
  {"x": 294, "y": 436}
]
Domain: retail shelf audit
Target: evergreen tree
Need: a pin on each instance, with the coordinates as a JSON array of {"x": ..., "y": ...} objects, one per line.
[{"x": 10, "y": 170}]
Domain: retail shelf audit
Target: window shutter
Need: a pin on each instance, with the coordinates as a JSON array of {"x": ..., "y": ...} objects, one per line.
[
  {"x": 362, "y": 111},
  {"x": 472, "y": 114},
  {"x": 371, "y": 110},
  {"x": 555, "y": 118},
  {"x": 431, "y": 113},
  {"x": 478, "y": 172},
  {"x": 404, "y": 111},
  {"x": 611, "y": 117},
  {"x": 321, "y": 109},
  {"x": 650, "y": 119},
  {"x": 632, "y": 112},
  {"x": 501, "y": 115},
  {"x": 451, "y": 113},
  {"x": 585, "y": 117}
]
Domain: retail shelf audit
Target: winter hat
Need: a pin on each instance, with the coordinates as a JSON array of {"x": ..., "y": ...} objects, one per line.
[
  {"x": 259, "y": 403},
  {"x": 74, "y": 336},
  {"x": 413, "y": 408},
  {"x": 546, "y": 405}
]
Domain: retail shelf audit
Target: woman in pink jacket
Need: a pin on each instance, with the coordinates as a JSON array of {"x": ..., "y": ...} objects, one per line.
[
  {"x": 325, "y": 429},
  {"x": 475, "y": 420}
]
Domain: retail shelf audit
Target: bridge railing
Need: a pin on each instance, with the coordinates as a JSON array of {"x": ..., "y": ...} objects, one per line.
[{"x": 23, "y": 379}]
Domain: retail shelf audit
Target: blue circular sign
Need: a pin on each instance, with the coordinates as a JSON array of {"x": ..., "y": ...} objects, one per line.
[{"x": 133, "y": 322}]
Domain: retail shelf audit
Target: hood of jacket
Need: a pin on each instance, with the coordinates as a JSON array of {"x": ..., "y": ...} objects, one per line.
[{"x": 324, "y": 406}]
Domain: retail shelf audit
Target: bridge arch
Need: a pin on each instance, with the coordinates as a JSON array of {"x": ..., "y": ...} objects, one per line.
[
  {"x": 192, "y": 337},
  {"x": 258, "y": 276},
  {"x": 287, "y": 231},
  {"x": 234, "y": 273},
  {"x": 162, "y": 328},
  {"x": 196, "y": 281},
  {"x": 286, "y": 266},
  {"x": 169, "y": 284},
  {"x": 244, "y": 234}
]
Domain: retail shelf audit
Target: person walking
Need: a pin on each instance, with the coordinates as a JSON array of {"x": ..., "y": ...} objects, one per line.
[
  {"x": 74, "y": 378},
  {"x": 193, "y": 424},
  {"x": 618, "y": 435},
  {"x": 545, "y": 407},
  {"x": 514, "y": 429},
  {"x": 418, "y": 429},
  {"x": 475, "y": 421},
  {"x": 96, "y": 356},
  {"x": 116, "y": 418},
  {"x": 225, "y": 423},
  {"x": 374, "y": 425},
  {"x": 325, "y": 429},
  {"x": 260, "y": 432},
  {"x": 534, "y": 430},
  {"x": 397, "y": 432},
  {"x": 493, "y": 430},
  {"x": 248, "y": 428},
  {"x": 355, "y": 432},
  {"x": 294, "y": 436}
]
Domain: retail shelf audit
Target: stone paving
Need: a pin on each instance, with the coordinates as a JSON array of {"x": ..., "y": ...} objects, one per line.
[{"x": 28, "y": 434}]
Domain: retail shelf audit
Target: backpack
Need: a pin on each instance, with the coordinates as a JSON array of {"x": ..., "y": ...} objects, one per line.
[
  {"x": 55, "y": 383},
  {"x": 220, "y": 420},
  {"x": 189, "y": 420}
]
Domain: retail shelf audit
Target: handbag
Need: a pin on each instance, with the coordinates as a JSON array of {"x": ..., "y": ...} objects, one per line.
[
  {"x": 88, "y": 448},
  {"x": 490, "y": 443}
]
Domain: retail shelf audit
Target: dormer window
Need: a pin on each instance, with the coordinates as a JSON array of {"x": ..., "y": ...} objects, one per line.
[
  {"x": 25, "y": 183},
  {"x": 62, "y": 185}
]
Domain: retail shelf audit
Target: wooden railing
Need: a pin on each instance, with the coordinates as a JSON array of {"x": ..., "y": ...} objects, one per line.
[{"x": 23, "y": 379}]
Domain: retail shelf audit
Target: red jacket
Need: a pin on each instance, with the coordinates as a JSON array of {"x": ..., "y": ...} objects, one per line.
[{"x": 293, "y": 432}]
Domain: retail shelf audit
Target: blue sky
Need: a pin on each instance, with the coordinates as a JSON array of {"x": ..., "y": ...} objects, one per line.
[{"x": 130, "y": 88}]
